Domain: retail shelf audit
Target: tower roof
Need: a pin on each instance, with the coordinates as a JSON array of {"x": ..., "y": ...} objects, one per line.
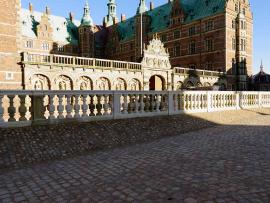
[
  {"x": 142, "y": 7},
  {"x": 86, "y": 19}
]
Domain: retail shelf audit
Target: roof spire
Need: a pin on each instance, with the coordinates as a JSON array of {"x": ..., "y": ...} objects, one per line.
[
  {"x": 111, "y": 17},
  {"x": 86, "y": 19},
  {"x": 261, "y": 67},
  {"x": 142, "y": 7}
]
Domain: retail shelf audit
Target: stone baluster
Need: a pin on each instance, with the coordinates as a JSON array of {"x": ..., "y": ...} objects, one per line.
[
  {"x": 200, "y": 101},
  {"x": 99, "y": 105},
  {"x": 77, "y": 106},
  {"x": 22, "y": 108},
  {"x": 136, "y": 103},
  {"x": 51, "y": 106},
  {"x": 11, "y": 109},
  {"x": 131, "y": 104},
  {"x": 1, "y": 109},
  {"x": 106, "y": 104},
  {"x": 142, "y": 104},
  {"x": 125, "y": 105},
  {"x": 152, "y": 102},
  {"x": 84, "y": 106},
  {"x": 147, "y": 103},
  {"x": 92, "y": 106},
  {"x": 69, "y": 106},
  {"x": 157, "y": 103},
  {"x": 60, "y": 107}
]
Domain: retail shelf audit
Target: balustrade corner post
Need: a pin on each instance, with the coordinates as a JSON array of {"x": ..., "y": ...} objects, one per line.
[
  {"x": 116, "y": 105},
  {"x": 170, "y": 103},
  {"x": 37, "y": 108},
  {"x": 74, "y": 61}
]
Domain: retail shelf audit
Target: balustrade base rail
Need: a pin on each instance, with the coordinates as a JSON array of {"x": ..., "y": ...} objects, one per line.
[{"x": 26, "y": 108}]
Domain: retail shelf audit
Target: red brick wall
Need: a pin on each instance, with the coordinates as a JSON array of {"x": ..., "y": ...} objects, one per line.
[{"x": 9, "y": 44}]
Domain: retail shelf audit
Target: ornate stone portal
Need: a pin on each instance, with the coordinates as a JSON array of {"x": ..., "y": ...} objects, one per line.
[{"x": 156, "y": 63}]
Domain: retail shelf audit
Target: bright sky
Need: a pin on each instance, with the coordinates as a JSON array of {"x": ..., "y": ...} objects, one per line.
[{"x": 260, "y": 10}]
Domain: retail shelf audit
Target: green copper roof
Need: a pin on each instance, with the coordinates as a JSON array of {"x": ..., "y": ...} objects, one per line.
[
  {"x": 160, "y": 16},
  {"x": 86, "y": 19},
  {"x": 126, "y": 29},
  {"x": 64, "y": 30}
]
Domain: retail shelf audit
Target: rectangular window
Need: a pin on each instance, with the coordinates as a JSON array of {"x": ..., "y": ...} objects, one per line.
[
  {"x": 9, "y": 76},
  {"x": 233, "y": 43},
  {"x": 164, "y": 38},
  {"x": 177, "y": 50},
  {"x": 176, "y": 34},
  {"x": 29, "y": 44},
  {"x": 192, "y": 31},
  {"x": 233, "y": 24},
  {"x": 209, "y": 25},
  {"x": 45, "y": 46},
  {"x": 209, "y": 44},
  {"x": 60, "y": 48},
  {"x": 236, "y": 7},
  {"x": 192, "y": 47},
  {"x": 243, "y": 45}
]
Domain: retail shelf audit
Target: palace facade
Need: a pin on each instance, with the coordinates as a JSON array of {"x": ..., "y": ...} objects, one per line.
[{"x": 200, "y": 36}]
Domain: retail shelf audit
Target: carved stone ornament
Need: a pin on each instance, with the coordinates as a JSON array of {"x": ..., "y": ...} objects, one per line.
[{"x": 156, "y": 55}]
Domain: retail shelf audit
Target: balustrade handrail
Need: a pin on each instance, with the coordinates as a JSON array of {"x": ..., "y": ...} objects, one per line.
[
  {"x": 197, "y": 70},
  {"x": 50, "y": 60}
]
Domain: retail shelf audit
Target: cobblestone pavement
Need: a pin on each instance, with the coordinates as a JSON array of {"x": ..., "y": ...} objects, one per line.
[{"x": 229, "y": 163}]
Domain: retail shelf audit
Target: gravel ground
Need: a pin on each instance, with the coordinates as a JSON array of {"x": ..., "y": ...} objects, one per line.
[{"x": 24, "y": 146}]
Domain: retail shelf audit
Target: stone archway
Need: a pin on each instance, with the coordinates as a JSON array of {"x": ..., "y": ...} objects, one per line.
[
  {"x": 85, "y": 83},
  {"x": 135, "y": 85},
  {"x": 39, "y": 82},
  {"x": 103, "y": 84},
  {"x": 157, "y": 82},
  {"x": 63, "y": 82},
  {"x": 120, "y": 84}
]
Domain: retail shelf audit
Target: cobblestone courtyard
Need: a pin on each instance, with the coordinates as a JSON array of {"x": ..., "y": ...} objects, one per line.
[{"x": 222, "y": 163}]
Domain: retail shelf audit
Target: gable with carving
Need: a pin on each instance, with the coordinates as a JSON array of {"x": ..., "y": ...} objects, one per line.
[{"x": 156, "y": 56}]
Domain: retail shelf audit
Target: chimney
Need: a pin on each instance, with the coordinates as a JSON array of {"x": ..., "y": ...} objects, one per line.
[
  {"x": 115, "y": 20},
  {"x": 71, "y": 16},
  {"x": 151, "y": 6},
  {"x": 47, "y": 11},
  {"x": 123, "y": 17},
  {"x": 31, "y": 8}
]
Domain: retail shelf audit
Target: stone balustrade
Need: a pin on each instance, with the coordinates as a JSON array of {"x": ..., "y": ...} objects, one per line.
[
  {"x": 188, "y": 71},
  {"x": 34, "y": 58},
  {"x": 24, "y": 108}
]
